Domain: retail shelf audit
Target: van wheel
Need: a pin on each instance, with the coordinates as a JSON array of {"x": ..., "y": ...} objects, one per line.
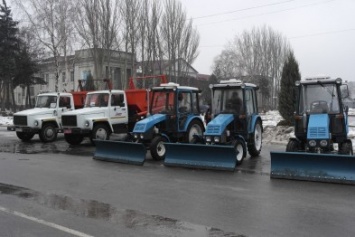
[
  {"x": 73, "y": 139},
  {"x": 25, "y": 136},
  {"x": 157, "y": 148},
  {"x": 100, "y": 132},
  {"x": 48, "y": 133}
]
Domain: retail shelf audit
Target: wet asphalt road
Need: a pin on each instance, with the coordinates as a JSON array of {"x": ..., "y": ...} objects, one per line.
[{"x": 58, "y": 190}]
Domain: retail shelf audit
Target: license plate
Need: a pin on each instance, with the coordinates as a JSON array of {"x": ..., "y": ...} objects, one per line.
[
  {"x": 67, "y": 131},
  {"x": 18, "y": 129}
]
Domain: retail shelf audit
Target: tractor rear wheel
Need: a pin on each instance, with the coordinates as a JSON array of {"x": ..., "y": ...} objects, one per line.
[
  {"x": 194, "y": 128},
  {"x": 157, "y": 148},
  {"x": 254, "y": 146}
]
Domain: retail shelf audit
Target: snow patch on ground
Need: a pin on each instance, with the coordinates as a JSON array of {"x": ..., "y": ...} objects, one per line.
[{"x": 6, "y": 120}]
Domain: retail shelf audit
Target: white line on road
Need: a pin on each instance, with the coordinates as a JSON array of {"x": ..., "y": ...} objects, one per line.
[{"x": 46, "y": 223}]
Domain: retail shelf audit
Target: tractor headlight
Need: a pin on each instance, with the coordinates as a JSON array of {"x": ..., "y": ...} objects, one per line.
[
  {"x": 323, "y": 143},
  {"x": 135, "y": 136},
  {"x": 142, "y": 136},
  {"x": 217, "y": 139},
  {"x": 312, "y": 143},
  {"x": 36, "y": 123},
  {"x": 208, "y": 139}
]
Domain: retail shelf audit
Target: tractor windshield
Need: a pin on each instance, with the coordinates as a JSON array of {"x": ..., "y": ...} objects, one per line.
[
  {"x": 227, "y": 101},
  {"x": 45, "y": 101},
  {"x": 320, "y": 98},
  {"x": 162, "y": 102}
]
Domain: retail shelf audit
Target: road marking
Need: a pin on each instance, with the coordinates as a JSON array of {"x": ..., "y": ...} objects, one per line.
[{"x": 46, "y": 223}]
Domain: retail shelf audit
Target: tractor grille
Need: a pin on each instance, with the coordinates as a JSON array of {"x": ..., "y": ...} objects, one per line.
[
  {"x": 213, "y": 129},
  {"x": 69, "y": 120},
  {"x": 317, "y": 132},
  {"x": 20, "y": 120}
]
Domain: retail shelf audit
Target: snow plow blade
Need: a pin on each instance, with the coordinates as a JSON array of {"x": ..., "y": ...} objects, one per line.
[
  {"x": 121, "y": 152},
  {"x": 332, "y": 168},
  {"x": 200, "y": 156}
]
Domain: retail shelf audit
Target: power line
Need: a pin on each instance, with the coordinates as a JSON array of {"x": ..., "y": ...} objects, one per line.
[
  {"x": 268, "y": 13},
  {"x": 240, "y": 10}
]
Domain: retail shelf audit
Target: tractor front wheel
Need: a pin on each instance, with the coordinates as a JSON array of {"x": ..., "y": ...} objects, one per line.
[
  {"x": 157, "y": 148},
  {"x": 195, "y": 128},
  {"x": 346, "y": 148},
  {"x": 240, "y": 150},
  {"x": 293, "y": 146}
]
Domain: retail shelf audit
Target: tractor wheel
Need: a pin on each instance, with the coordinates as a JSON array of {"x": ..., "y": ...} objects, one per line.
[
  {"x": 48, "y": 133},
  {"x": 100, "y": 132},
  {"x": 157, "y": 148},
  {"x": 346, "y": 148},
  {"x": 241, "y": 151},
  {"x": 25, "y": 136},
  {"x": 195, "y": 127},
  {"x": 254, "y": 146},
  {"x": 293, "y": 146},
  {"x": 73, "y": 139}
]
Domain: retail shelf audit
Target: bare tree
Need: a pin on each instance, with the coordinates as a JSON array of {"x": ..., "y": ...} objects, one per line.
[
  {"x": 98, "y": 25},
  {"x": 180, "y": 39},
  {"x": 51, "y": 23},
  {"x": 259, "y": 52}
]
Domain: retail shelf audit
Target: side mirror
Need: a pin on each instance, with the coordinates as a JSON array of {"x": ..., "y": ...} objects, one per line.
[{"x": 53, "y": 105}]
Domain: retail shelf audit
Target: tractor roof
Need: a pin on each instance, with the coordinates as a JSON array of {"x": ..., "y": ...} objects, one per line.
[
  {"x": 171, "y": 85},
  {"x": 320, "y": 80},
  {"x": 233, "y": 83}
]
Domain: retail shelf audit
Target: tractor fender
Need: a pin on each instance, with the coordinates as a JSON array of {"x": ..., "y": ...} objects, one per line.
[
  {"x": 254, "y": 119},
  {"x": 166, "y": 136},
  {"x": 189, "y": 119}
]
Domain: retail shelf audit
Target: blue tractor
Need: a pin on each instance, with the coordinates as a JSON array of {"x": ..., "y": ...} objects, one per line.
[
  {"x": 234, "y": 127},
  {"x": 321, "y": 149},
  {"x": 174, "y": 116}
]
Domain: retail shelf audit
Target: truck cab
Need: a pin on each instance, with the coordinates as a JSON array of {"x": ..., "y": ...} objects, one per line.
[
  {"x": 104, "y": 112},
  {"x": 45, "y": 118}
]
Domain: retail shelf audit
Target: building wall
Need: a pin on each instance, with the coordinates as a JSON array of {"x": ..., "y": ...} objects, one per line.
[{"x": 79, "y": 66}]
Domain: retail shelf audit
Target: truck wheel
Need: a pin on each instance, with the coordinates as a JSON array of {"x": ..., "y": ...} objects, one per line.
[
  {"x": 195, "y": 127},
  {"x": 254, "y": 146},
  {"x": 48, "y": 133},
  {"x": 157, "y": 148},
  {"x": 293, "y": 146},
  {"x": 25, "y": 136},
  {"x": 241, "y": 151},
  {"x": 73, "y": 139},
  {"x": 100, "y": 132},
  {"x": 346, "y": 148}
]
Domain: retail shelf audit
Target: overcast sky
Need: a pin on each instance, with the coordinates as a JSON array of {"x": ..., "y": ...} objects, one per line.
[{"x": 321, "y": 32}]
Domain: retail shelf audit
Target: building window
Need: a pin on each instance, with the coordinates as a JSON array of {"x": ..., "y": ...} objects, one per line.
[
  {"x": 72, "y": 76},
  {"x": 32, "y": 90}
]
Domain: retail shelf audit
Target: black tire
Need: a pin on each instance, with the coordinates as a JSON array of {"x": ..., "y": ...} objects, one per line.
[
  {"x": 293, "y": 146},
  {"x": 346, "y": 148},
  {"x": 25, "y": 136},
  {"x": 195, "y": 127},
  {"x": 73, "y": 139},
  {"x": 256, "y": 140},
  {"x": 157, "y": 148},
  {"x": 100, "y": 132},
  {"x": 241, "y": 151},
  {"x": 48, "y": 133}
]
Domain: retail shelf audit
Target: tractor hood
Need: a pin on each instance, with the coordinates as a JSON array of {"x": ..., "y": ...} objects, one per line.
[
  {"x": 318, "y": 126},
  {"x": 35, "y": 111},
  {"x": 218, "y": 124},
  {"x": 147, "y": 123}
]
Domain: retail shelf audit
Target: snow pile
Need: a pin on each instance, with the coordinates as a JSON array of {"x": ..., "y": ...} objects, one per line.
[
  {"x": 272, "y": 132},
  {"x": 6, "y": 120}
]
